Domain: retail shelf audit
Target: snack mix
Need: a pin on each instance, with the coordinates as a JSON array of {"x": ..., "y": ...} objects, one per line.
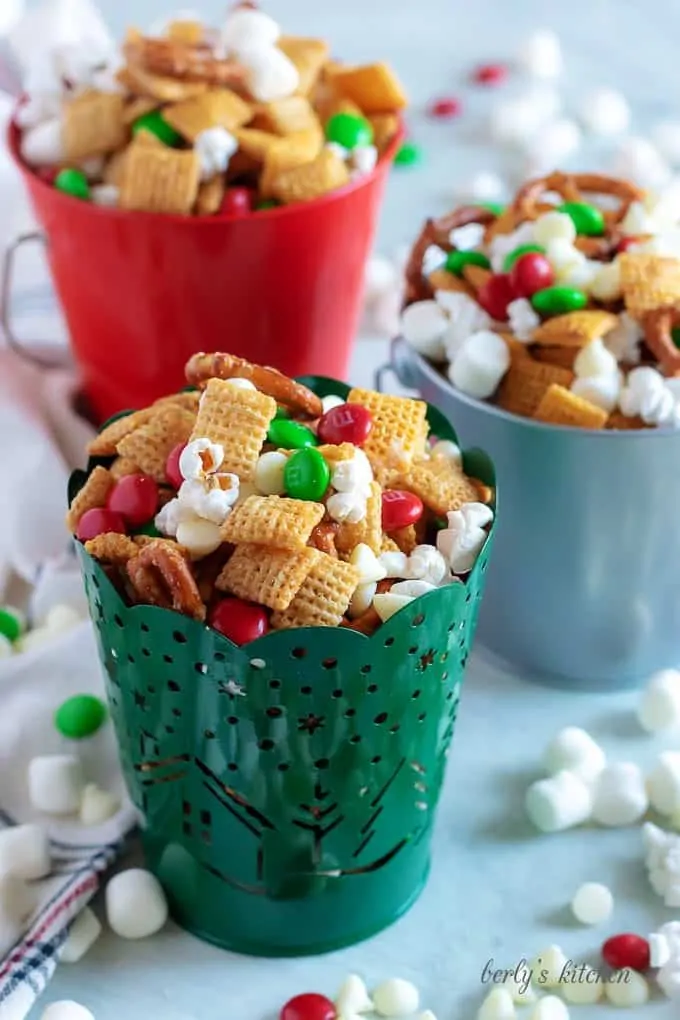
[
  {"x": 206, "y": 122},
  {"x": 564, "y": 307},
  {"x": 252, "y": 503}
]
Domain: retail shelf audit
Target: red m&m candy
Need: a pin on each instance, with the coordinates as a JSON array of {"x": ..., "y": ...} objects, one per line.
[
  {"x": 310, "y": 1006},
  {"x": 625, "y": 243},
  {"x": 490, "y": 74},
  {"x": 399, "y": 509},
  {"x": 495, "y": 295},
  {"x": 627, "y": 951},
  {"x": 445, "y": 108},
  {"x": 347, "y": 423},
  {"x": 135, "y": 498},
  {"x": 236, "y": 202},
  {"x": 531, "y": 272},
  {"x": 98, "y": 522},
  {"x": 172, "y": 471},
  {"x": 239, "y": 621}
]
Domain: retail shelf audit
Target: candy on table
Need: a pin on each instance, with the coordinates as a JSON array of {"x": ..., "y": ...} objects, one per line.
[
  {"x": 663, "y": 783},
  {"x": 66, "y": 1009},
  {"x": 575, "y": 750},
  {"x": 136, "y": 906},
  {"x": 561, "y": 802},
  {"x": 548, "y": 966},
  {"x": 620, "y": 795},
  {"x": 56, "y": 783},
  {"x": 82, "y": 935},
  {"x": 627, "y": 989},
  {"x": 659, "y": 707},
  {"x": 605, "y": 112},
  {"x": 308, "y": 1006},
  {"x": 396, "y": 997},
  {"x": 97, "y": 805},
  {"x": 593, "y": 903},
  {"x": 497, "y": 1005},
  {"x": 541, "y": 54},
  {"x": 549, "y": 1008},
  {"x": 80, "y": 716},
  {"x": 584, "y": 987},
  {"x": 490, "y": 74},
  {"x": 198, "y": 120},
  {"x": 353, "y": 997},
  {"x": 445, "y": 108},
  {"x": 25, "y": 851}
]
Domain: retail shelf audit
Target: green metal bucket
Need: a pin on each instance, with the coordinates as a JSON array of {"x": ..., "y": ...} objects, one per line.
[{"x": 288, "y": 787}]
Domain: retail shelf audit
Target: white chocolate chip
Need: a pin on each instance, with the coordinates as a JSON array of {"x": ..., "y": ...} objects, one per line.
[
  {"x": 367, "y": 563},
  {"x": 584, "y": 988},
  {"x": 498, "y": 1005},
  {"x": 396, "y": 998},
  {"x": 56, "y": 783},
  {"x": 659, "y": 707},
  {"x": 199, "y": 537},
  {"x": 606, "y": 283},
  {"x": 362, "y": 600},
  {"x": 559, "y": 803},
  {"x": 83, "y": 934},
  {"x": 353, "y": 997},
  {"x": 548, "y": 966},
  {"x": 549, "y": 1008},
  {"x": 25, "y": 851},
  {"x": 331, "y": 401},
  {"x": 412, "y": 588},
  {"x": 269, "y": 472},
  {"x": 135, "y": 904},
  {"x": 620, "y": 797},
  {"x": 595, "y": 360},
  {"x": 552, "y": 226},
  {"x": 448, "y": 449},
  {"x": 387, "y": 605},
  {"x": 395, "y": 563},
  {"x": 98, "y": 805},
  {"x": 241, "y": 384},
  {"x": 626, "y": 988},
  {"x": 575, "y": 750},
  {"x": 593, "y": 903},
  {"x": 66, "y": 1009},
  {"x": 62, "y": 618}
]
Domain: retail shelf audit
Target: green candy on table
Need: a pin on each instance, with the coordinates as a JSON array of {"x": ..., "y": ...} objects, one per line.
[
  {"x": 12, "y": 623},
  {"x": 80, "y": 716},
  {"x": 73, "y": 183},
  {"x": 456, "y": 261},
  {"x": 516, "y": 253},
  {"x": 558, "y": 300},
  {"x": 588, "y": 219},
  {"x": 290, "y": 435},
  {"x": 349, "y": 131},
  {"x": 306, "y": 475},
  {"x": 156, "y": 124},
  {"x": 409, "y": 154}
]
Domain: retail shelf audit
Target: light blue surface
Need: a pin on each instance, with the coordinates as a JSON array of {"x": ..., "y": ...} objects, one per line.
[{"x": 496, "y": 890}]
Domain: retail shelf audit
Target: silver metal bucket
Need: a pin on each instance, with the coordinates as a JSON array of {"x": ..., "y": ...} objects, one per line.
[{"x": 584, "y": 583}]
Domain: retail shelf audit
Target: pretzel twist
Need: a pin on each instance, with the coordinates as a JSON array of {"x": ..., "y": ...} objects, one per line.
[
  {"x": 437, "y": 232},
  {"x": 160, "y": 576},
  {"x": 658, "y": 329},
  {"x": 185, "y": 61},
  {"x": 202, "y": 367}
]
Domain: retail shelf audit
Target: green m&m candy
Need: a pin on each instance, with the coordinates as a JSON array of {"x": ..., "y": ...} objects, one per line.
[
  {"x": 516, "y": 253},
  {"x": 12, "y": 623},
  {"x": 72, "y": 182},
  {"x": 493, "y": 207},
  {"x": 80, "y": 716},
  {"x": 156, "y": 124},
  {"x": 306, "y": 475},
  {"x": 149, "y": 529},
  {"x": 349, "y": 131},
  {"x": 290, "y": 435},
  {"x": 409, "y": 154},
  {"x": 558, "y": 300},
  {"x": 267, "y": 203},
  {"x": 587, "y": 218},
  {"x": 456, "y": 261},
  {"x": 282, "y": 412}
]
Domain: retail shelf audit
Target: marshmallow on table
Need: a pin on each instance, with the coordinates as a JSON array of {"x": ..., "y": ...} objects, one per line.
[
  {"x": 659, "y": 707},
  {"x": 353, "y": 997},
  {"x": 557, "y": 141},
  {"x": 627, "y": 988},
  {"x": 663, "y": 783},
  {"x": 666, "y": 137},
  {"x": 592, "y": 904},
  {"x": 136, "y": 906},
  {"x": 638, "y": 159},
  {"x": 484, "y": 186},
  {"x": 498, "y": 1005},
  {"x": 423, "y": 325},
  {"x": 480, "y": 364},
  {"x": 396, "y": 998},
  {"x": 620, "y": 797},
  {"x": 575, "y": 750},
  {"x": 559, "y": 803},
  {"x": 541, "y": 54},
  {"x": 66, "y": 1009},
  {"x": 606, "y": 112},
  {"x": 25, "y": 851},
  {"x": 97, "y": 805},
  {"x": 82, "y": 935},
  {"x": 56, "y": 784}
]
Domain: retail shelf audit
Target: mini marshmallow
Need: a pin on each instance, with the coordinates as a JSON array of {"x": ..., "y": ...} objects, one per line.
[
  {"x": 605, "y": 284},
  {"x": 56, "y": 784},
  {"x": 501, "y": 245},
  {"x": 593, "y": 903},
  {"x": 215, "y": 146},
  {"x": 98, "y": 805},
  {"x": 136, "y": 906},
  {"x": 395, "y": 998},
  {"x": 480, "y": 364},
  {"x": 548, "y": 966},
  {"x": 468, "y": 237},
  {"x": 328, "y": 403},
  {"x": 353, "y": 997},
  {"x": 448, "y": 449},
  {"x": 549, "y": 1008},
  {"x": 246, "y": 28},
  {"x": 663, "y": 783},
  {"x": 387, "y": 605},
  {"x": 620, "y": 797},
  {"x": 25, "y": 851},
  {"x": 340, "y": 151},
  {"x": 541, "y": 54},
  {"x": 668, "y": 980},
  {"x": 659, "y": 708},
  {"x": 61, "y": 618},
  {"x": 465, "y": 318},
  {"x": 461, "y": 542},
  {"x": 426, "y": 564},
  {"x": 523, "y": 319},
  {"x": 66, "y": 1009},
  {"x": 626, "y": 988},
  {"x": 559, "y": 803},
  {"x": 367, "y": 563},
  {"x": 574, "y": 750},
  {"x": 43, "y": 145},
  {"x": 666, "y": 138},
  {"x": 36, "y": 638},
  {"x": 211, "y": 498},
  {"x": 199, "y": 537},
  {"x": 412, "y": 588},
  {"x": 423, "y": 325},
  {"x": 606, "y": 112},
  {"x": 659, "y": 950},
  {"x": 484, "y": 186},
  {"x": 395, "y": 564},
  {"x": 362, "y": 599},
  {"x": 594, "y": 360},
  {"x": 105, "y": 195},
  {"x": 349, "y": 507},
  {"x": 364, "y": 159},
  {"x": 556, "y": 142},
  {"x": 199, "y": 458},
  {"x": 603, "y": 391},
  {"x": 82, "y": 935},
  {"x": 270, "y": 75},
  {"x": 586, "y": 990},
  {"x": 553, "y": 226},
  {"x": 625, "y": 339},
  {"x": 638, "y": 159},
  {"x": 353, "y": 475},
  {"x": 38, "y": 109},
  {"x": 498, "y": 1005},
  {"x": 518, "y": 120}
]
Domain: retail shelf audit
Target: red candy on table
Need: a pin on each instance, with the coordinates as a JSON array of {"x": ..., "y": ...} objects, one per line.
[
  {"x": 239, "y": 621},
  {"x": 347, "y": 423},
  {"x": 237, "y": 202},
  {"x": 172, "y": 471},
  {"x": 98, "y": 522},
  {"x": 445, "y": 108},
  {"x": 310, "y": 1006},
  {"x": 630, "y": 951},
  {"x": 531, "y": 272},
  {"x": 135, "y": 498},
  {"x": 399, "y": 509},
  {"x": 495, "y": 295},
  {"x": 490, "y": 74}
]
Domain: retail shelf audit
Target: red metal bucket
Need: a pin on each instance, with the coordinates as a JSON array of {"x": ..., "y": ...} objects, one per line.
[{"x": 142, "y": 292}]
